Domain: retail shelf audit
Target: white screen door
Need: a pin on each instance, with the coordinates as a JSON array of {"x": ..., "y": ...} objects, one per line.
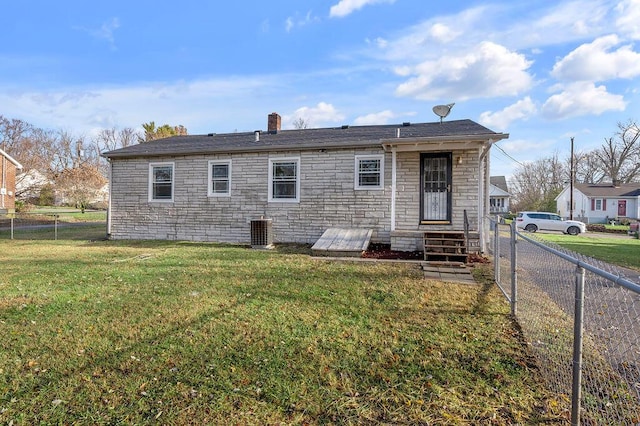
[{"x": 436, "y": 187}]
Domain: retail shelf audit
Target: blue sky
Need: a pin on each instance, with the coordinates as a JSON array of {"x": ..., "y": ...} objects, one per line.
[{"x": 541, "y": 71}]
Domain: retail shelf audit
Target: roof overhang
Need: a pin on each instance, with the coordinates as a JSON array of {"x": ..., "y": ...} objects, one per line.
[
  {"x": 440, "y": 143},
  {"x": 241, "y": 150},
  {"x": 11, "y": 159}
]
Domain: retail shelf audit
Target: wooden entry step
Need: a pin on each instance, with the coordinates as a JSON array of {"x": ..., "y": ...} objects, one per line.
[
  {"x": 447, "y": 246},
  {"x": 473, "y": 242},
  {"x": 456, "y": 273}
]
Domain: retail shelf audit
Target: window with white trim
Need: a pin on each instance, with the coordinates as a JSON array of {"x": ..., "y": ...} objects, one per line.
[
  {"x": 284, "y": 180},
  {"x": 219, "y": 178},
  {"x": 369, "y": 172},
  {"x": 598, "y": 204},
  {"x": 161, "y": 182}
]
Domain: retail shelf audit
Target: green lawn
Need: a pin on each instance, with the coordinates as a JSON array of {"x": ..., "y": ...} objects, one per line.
[
  {"x": 172, "y": 333},
  {"x": 69, "y": 214},
  {"x": 618, "y": 250}
]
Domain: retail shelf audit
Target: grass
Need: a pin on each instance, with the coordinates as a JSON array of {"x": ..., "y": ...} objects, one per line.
[
  {"x": 622, "y": 251},
  {"x": 68, "y": 214},
  {"x": 44, "y": 230},
  {"x": 165, "y": 332}
]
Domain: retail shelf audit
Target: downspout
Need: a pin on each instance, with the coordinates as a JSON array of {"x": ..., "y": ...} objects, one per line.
[
  {"x": 483, "y": 182},
  {"x": 394, "y": 157},
  {"x": 109, "y": 198}
]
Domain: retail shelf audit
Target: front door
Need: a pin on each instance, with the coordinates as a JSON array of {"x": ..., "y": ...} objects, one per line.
[
  {"x": 435, "y": 203},
  {"x": 622, "y": 208}
]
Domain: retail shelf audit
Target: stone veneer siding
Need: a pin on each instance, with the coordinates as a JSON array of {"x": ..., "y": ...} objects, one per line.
[
  {"x": 327, "y": 199},
  {"x": 464, "y": 182}
]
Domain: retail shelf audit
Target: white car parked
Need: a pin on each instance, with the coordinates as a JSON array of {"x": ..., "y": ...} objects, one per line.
[{"x": 532, "y": 221}]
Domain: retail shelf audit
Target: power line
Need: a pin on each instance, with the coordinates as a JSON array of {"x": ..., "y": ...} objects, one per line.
[{"x": 510, "y": 157}]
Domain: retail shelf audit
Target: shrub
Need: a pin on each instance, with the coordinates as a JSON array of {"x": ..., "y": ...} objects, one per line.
[
  {"x": 599, "y": 227},
  {"x": 23, "y": 206},
  {"x": 47, "y": 196}
]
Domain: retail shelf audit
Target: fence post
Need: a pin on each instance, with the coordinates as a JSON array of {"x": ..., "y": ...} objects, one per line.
[
  {"x": 514, "y": 272},
  {"x": 496, "y": 251},
  {"x": 12, "y": 228},
  {"x": 576, "y": 393},
  {"x": 55, "y": 228}
]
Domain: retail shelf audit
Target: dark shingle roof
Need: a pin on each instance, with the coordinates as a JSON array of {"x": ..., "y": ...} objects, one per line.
[
  {"x": 500, "y": 182},
  {"x": 335, "y": 137},
  {"x": 608, "y": 190}
]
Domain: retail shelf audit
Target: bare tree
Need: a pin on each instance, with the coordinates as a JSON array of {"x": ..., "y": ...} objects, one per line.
[
  {"x": 114, "y": 138},
  {"x": 619, "y": 156},
  {"x": 111, "y": 139},
  {"x": 536, "y": 184},
  {"x": 587, "y": 167},
  {"x": 80, "y": 185},
  {"x": 12, "y": 135},
  {"x": 301, "y": 123},
  {"x": 59, "y": 159},
  {"x": 29, "y": 146}
]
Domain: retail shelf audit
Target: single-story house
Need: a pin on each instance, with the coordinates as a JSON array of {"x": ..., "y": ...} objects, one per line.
[
  {"x": 499, "y": 195},
  {"x": 601, "y": 203},
  {"x": 8, "y": 169},
  {"x": 396, "y": 180}
]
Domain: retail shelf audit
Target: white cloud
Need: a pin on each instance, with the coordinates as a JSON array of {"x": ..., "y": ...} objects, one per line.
[
  {"x": 297, "y": 21},
  {"x": 443, "y": 33},
  {"x": 628, "y": 21},
  {"x": 105, "y": 32},
  {"x": 523, "y": 145},
  {"x": 489, "y": 70},
  {"x": 346, "y": 7},
  {"x": 321, "y": 115},
  {"x": 563, "y": 22},
  {"x": 200, "y": 105},
  {"x": 378, "y": 42},
  {"x": 581, "y": 98},
  {"x": 500, "y": 120},
  {"x": 597, "y": 61},
  {"x": 381, "y": 117},
  {"x": 426, "y": 39},
  {"x": 517, "y": 26}
]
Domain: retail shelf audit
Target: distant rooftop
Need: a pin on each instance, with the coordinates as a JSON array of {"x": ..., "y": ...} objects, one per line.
[
  {"x": 499, "y": 182},
  {"x": 609, "y": 190}
]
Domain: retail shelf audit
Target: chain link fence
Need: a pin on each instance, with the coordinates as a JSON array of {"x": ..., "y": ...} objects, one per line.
[
  {"x": 581, "y": 319},
  {"x": 63, "y": 225}
]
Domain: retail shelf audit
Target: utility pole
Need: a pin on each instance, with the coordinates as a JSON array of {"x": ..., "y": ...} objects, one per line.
[{"x": 571, "y": 178}]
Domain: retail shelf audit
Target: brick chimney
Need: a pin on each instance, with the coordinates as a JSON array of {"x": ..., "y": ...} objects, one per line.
[{"x": 274, "y": 123}]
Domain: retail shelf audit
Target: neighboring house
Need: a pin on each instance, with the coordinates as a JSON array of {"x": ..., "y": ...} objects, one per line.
[
  {"x": 397, "y": 180},
  {"x": 600, "y": 203},
  {"x": 8, "y": 169},
  {"x": 499, "y": 195},
  {"x": 30, "y": 183}
]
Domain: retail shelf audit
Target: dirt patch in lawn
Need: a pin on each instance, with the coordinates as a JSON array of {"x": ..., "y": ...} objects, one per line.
[{"x": 383, "y": 251}]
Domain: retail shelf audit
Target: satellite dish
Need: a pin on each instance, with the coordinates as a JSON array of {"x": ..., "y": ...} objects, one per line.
[{"x": 442, "y": 110}]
